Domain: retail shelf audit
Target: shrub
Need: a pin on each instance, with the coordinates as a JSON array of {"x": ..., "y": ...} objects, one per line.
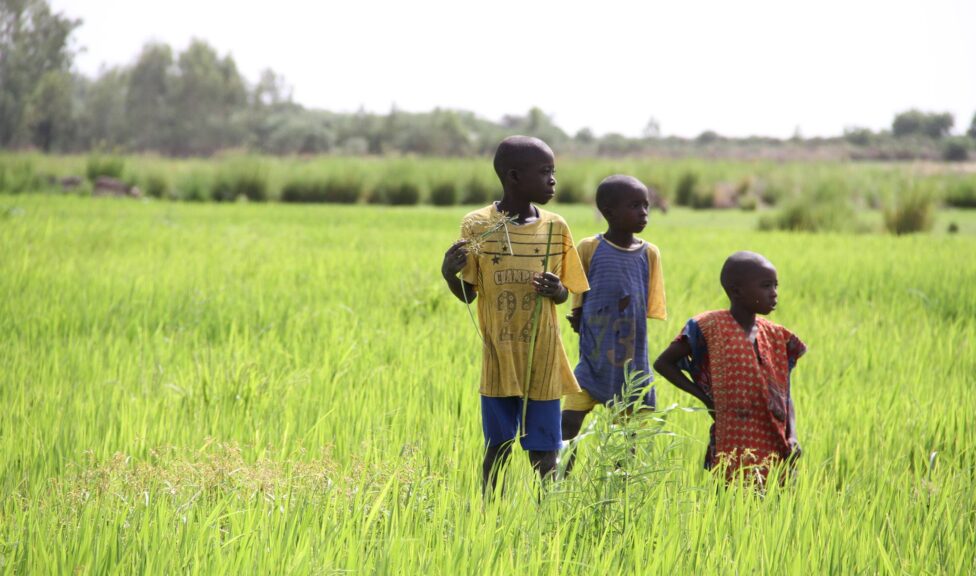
[
  {"x": 244, "y": 179},
  {"x": 569, "y": 192},
  {"x": 303, "y": 191},
  {"x": 401, "y": 193},
  {"x": 477, "y": 191},
  {"x": 748, "y": 202},
  {"x": 913, "y": 211},
  {"x": 962, "y": 193},
  {"x": 443, "y": 194},
  {"x": 686, "y": 190},
  {"x": 194, "y": 187},
  {"x": 111, "y": 166},
  {"x": 19, "y": 176},
  {"x": 155, "y": 185},
  {"x": 343, "y": 190},
  {"x": 956, "y": 149},
  {"x": 822, "y": 211}
]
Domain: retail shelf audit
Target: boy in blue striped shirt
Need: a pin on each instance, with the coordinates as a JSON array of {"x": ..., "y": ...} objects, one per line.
[{"x": 626, "y": 287}]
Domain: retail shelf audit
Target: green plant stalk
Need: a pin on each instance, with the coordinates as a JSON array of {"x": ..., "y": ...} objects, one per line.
[
  {"x": 467, "y": 303},
  {"x": 534, "y": 334}
]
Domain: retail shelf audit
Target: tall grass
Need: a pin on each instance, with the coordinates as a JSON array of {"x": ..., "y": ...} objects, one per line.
[{"x": 269, "y": 388}]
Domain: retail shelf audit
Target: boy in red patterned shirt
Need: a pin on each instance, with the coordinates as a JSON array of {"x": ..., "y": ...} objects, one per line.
[{"x": 740, "y": 370}]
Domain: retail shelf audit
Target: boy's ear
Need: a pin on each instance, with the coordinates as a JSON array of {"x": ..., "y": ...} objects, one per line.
[{"x": 512, "y": 174}]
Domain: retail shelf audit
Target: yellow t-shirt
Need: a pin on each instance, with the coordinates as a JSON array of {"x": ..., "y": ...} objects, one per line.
[
  {"x": 656, "y": 303},
  {"x": 501, "y": 267}
]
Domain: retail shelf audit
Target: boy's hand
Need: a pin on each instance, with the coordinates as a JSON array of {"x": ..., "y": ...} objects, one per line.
[
  {"x": 548, "y": 285},
  {"x": 574, "y": 319},
  {"x": 454, "y": 259}
]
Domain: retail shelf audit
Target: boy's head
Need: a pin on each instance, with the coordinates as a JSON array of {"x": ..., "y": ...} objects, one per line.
[
  {"x": 624, "y": 202},
  {"x": 526, "y": 167},
  {"x": 750, "y": 281}
]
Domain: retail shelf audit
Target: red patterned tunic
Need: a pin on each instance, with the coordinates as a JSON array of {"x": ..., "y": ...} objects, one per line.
[{"x": 749, "y": 385}]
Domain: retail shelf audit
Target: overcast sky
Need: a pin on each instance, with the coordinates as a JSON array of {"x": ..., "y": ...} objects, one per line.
[{"x": 739, "y": 68}]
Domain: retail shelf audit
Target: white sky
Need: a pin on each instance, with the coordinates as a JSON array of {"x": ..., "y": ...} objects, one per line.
[{"x": 737, "y": 67}]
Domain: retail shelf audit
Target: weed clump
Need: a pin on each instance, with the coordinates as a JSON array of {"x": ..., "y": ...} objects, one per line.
[{"x": 913, "y": 211}]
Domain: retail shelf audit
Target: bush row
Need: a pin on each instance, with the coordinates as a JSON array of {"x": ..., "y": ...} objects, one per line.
[{"x": 407, "y": 181}]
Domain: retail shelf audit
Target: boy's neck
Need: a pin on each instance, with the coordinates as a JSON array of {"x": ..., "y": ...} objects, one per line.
[
  {"x": 523, "y": 210},
  {"x": 620, "y": 238},
  {"x": 745, "y": 318}
]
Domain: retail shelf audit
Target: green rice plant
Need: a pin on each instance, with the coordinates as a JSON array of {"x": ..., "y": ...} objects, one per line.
[
  {"x": 210, "y": 386},
  {"x": 913, "y": 210}
]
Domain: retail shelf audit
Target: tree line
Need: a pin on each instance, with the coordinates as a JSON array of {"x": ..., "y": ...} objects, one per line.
[{"x": 196, "y": 103}]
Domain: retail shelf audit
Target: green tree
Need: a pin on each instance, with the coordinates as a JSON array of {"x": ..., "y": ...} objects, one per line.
[
  {"x": 209, "y": 97},
  {"x": 972, "y": 128},
  {"x": 916, "y": 122},
  {"x": 49, "y": 112},
  {"x": 102, "y": 117},
  {"x": 33, "y": 44},
  {"x": 148, "y": 110}
]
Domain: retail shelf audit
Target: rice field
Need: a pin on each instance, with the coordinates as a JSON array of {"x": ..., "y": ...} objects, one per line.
[{"x": 252, "y": 389}]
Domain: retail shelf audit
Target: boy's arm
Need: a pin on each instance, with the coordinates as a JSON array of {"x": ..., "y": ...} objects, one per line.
[
  {"x": 454, "y": 261},
  {"x": 667, "y": 365},
  {"x": 574, "y": 318},
  {"x": 792, "y": 440}
]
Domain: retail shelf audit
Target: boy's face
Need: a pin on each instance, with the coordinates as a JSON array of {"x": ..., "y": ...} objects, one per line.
[
  {"x": 629, "y": 212},
  {"x": 536, "y": 177},
  {"x": 758, "y": 289}
]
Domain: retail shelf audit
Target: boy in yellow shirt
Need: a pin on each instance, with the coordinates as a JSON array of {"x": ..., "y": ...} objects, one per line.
[{"x": 511, "y": 254}]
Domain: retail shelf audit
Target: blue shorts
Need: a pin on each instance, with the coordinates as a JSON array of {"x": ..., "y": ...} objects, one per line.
[{"x": 500, "y": 419}]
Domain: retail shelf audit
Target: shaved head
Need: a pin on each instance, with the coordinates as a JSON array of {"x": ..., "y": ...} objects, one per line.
[
  {"x": 612, "y": 188},
  {"x": 515, "y": 151},
  {"x": 740, "y": 266}
]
